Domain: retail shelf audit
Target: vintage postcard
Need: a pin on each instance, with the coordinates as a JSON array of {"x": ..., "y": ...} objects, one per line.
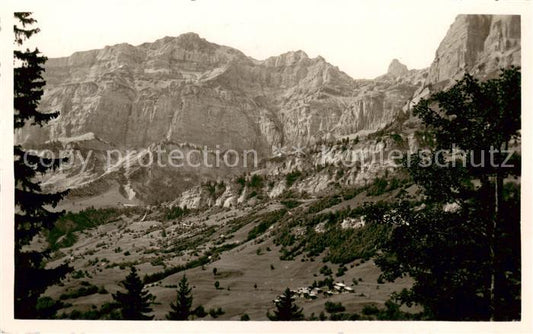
[{"x": 271, "y": 166}]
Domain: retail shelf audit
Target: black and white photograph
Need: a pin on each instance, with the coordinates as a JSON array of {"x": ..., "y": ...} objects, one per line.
[{"x": 232, "y": 166}]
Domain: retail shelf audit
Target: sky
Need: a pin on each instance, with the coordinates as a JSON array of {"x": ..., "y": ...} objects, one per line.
[{"x": 360, "y": 37}]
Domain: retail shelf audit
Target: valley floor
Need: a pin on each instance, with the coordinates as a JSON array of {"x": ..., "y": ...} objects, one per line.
[{"x": 250, "y": 272}]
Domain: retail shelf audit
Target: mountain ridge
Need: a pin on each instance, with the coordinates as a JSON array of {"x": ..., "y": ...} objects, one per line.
[
  {"x": 187, "y": 90},
  {"x": 118, "y": 77}
]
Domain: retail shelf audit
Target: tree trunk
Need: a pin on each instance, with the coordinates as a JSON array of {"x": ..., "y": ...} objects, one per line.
[{"x": 495, "y": 259}]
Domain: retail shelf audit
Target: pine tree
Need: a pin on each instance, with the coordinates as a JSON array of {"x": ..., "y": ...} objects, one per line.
[
  {"x": 31, "y": 216},
  {"x": 135, "y": 303},
  {"x": 181, "y": 309},
  {"x": 286, "y": 310}
]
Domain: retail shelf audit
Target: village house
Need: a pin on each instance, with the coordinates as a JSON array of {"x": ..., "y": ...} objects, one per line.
[{"x": 313, "y": 292}]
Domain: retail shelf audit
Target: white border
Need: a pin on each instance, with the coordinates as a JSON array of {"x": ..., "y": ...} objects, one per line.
[{"x": 8, "y": 325}]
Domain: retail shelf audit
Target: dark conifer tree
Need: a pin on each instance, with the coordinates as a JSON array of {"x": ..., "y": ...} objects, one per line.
[
  {"x": 181, "y": 309},
  {"x": 31, "y": 216},
  {"x": 135, "y": 303},
  {"x": 286, "y": 309}
]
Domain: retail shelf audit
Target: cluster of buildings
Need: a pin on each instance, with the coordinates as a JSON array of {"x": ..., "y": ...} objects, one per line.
[
  {"x": 341, "y": 287},
  {"x": 314, "y": 292}
]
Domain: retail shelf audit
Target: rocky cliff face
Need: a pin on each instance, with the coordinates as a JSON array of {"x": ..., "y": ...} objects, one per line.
[
  {"x": 187, "y": 92},
  {"x": 185, "y": 89},
  {"x": 477, "y": 44}
]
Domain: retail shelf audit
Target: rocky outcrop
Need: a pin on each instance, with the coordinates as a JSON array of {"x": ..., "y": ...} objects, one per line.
[
  {"x": 477, "y": 44},
  {"x": 397, "y": 69},
  {"x": 324, "y": 168}
]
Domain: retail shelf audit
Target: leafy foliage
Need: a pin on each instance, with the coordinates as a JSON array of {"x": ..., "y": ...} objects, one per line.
[
  {"x": 326, "y": 271},
  {"x": 390, "y": 312},
  {"x": 215, "y": 313},
  {"x": 324, "y": 203},
  {"x": 292, "y": 177},
  {"x": 150, "y": 278},
  {"x": 290, "y": 203},
  {"x": 382, "y": 185},
  {"x": 343, "y": 245},
  {"x": 200, "y": 312},
  {"x": 62, "y": 234},
  {"x": 82, "y": 291},
  {"x": 175, "y": 212},
  {"x": 266, "y": 222},
  {"x": 462, "y": 247},
  {"x": 48, "y": 307},
  {"x": 378, "y": 187},
  {"x": 332, "y": 307},
  {"x": 256, "y": 182},
  {"x": 108, "y": 311}
]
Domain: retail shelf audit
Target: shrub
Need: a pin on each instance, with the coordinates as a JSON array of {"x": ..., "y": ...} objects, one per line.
[
  {"x": 344, "y": 316},
  {"x": 215, "y": 313},
  {"x": 378, "y": 187},
  {"x": 326, "y": 271},
  {"x": 83, "y": 291},
  {"x": 150, "y": 278},
  {"x": 47, "y": 307},
  {"x": 256, "y": 182},
  {"x": 199, "y": 311},
  {"x": 290, "y": 204},
  {"x": 72, "y": 222},
  {"x": 292, "y": 177},
  {"x": 175, "y": 212},
  {"x": 78, "y": 274},
  {"x": 267, "y": 220},
  {"x": 332, "y": 307},
  {"x": 370, "y": 310},
  {"x": 341, "y": 271}
]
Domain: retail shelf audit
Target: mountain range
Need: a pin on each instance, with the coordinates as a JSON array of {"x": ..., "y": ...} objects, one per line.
[{"x": 189, "y": 93}]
